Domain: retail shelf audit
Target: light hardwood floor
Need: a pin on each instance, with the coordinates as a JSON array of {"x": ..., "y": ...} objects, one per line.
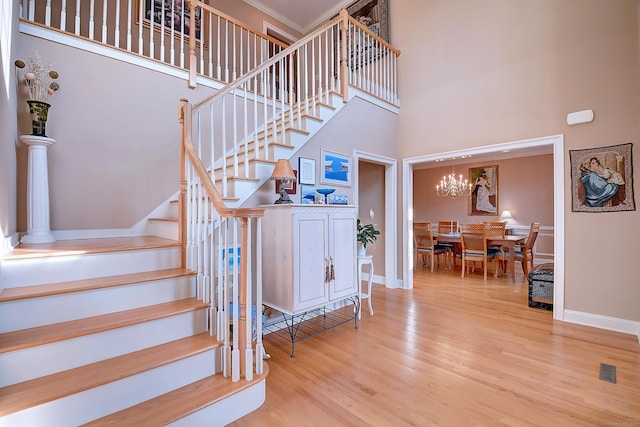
[{"x": 453, "y": 352}]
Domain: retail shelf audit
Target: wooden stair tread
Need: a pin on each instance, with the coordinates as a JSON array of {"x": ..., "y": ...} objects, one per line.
[
  {"x": 25, "y": 338},
  {"x": 179, "y": 403},
  {"x": 41, "y": 390},
  {"x": 88, "y": 246},
  {"x": 35, "y": 291}
]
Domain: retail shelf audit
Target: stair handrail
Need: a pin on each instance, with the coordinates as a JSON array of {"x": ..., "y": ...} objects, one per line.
[
  {"x": 262, "y": 67},
  {"x": 193, "y": 68},
  {"x": 237, "y": 357}
]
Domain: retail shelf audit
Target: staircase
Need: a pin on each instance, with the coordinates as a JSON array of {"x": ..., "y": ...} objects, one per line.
[
  {"x": 106, "y": 332},
  {"x": 124, "y": 331}
]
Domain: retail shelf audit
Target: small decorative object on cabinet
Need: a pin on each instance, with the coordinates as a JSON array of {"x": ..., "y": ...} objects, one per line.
[
  {"x": 309, "y": 263},
  {"x": 325, "y": 192},
  {"x": 283, "y": 175},
  {"x": 39, "y": 79}
]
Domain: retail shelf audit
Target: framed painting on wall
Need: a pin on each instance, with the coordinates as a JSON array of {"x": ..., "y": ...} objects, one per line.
[
  {"x": 307, "y": 194},
  {"x": 170, "y": 15},
  {"x": 602, "y": 179},
  {"x": 484, "y": 196},
  {"x": 336, "y": 168},
  {"x": 373, "y": 14},
  {"x": 307, "y": 168}
]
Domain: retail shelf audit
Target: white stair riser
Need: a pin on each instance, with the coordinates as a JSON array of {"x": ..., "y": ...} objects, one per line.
[
  {"x": 311, "y": 125},
  {"x": 228, "y": 410},
  {"x": 30, "y": 363},
  {"x": 106, "y": 399},
  {"x": 173, "y": 210},
  {"x": 22, "y": 272},
  {"x": 165, "y": 229},
  {"x": 77, "y": 305}
]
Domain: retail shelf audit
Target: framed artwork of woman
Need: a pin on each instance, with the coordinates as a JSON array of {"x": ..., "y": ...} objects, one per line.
[
  {"x": 602, "y": 179},
  {"x": 484, "y": 196}
]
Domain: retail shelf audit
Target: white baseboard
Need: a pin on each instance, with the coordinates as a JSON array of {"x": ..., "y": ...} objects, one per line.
[
  {"x": 8, "y": 243},
  {"x": 603, "y": 322}
]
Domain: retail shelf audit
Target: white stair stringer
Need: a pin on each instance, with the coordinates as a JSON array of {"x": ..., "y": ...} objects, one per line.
[{"x": 294, "y": 140}]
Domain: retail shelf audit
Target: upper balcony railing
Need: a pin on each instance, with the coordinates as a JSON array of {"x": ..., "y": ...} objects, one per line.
[
  {"x": 207, "y": 42},
  {"x": 225, "y": 48}
]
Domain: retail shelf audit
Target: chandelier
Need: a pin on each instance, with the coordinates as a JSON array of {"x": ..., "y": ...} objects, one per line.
[{"x": 450, "y": 186}]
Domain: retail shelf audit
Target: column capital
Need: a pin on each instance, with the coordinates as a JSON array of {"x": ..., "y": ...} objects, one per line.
[{"x": 37, "y": 140}]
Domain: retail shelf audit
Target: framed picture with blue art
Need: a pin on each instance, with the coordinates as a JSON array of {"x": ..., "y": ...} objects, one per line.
[
  {"x": 307, "y": 194},
  {"x": 602, "y": 179},
  {"x": 336, "y": 168}
]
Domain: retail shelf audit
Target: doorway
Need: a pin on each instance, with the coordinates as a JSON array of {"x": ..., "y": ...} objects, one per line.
[
  {"x": 387, "y": 213},
  {"x": 557, "y": 144}
]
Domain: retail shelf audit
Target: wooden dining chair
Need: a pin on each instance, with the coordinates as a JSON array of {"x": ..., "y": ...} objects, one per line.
[
  {"x": 446, "y": 227},
  {"x": 496, "y": 229},
  {"x": 473, "y": 238},
  {"x": 425, "y": 245},
  {"x": 524, "y": 253}
]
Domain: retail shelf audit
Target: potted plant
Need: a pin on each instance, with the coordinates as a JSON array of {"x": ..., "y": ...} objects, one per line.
[
  {"x": 40, "y": 81},
  {"x": 366, "y": 234}
]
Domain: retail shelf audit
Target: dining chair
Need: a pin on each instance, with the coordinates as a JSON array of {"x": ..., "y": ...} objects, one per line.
[
  {"x": 524, "y": 253},
  {"x": 496, "y": 229},
  {"x": 446, "y": 227},
  {"x": 425, "y": 245},
  {"x": 473, "y": 238}
]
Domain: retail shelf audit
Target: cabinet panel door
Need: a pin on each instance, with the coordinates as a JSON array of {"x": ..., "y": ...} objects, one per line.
[
  {"x": 310, "y": 237},
  {"x": 342, "y": 241}
]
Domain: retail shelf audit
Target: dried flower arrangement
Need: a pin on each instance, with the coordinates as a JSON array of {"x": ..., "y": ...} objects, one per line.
[{"x": 39, "y": 78}]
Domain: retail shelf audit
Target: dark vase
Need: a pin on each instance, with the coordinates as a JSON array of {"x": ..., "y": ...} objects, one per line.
[{"x": 39, "y": 111}]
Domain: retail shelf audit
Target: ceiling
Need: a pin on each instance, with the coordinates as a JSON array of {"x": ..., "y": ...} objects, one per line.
[{"x": 301, "y": 15}]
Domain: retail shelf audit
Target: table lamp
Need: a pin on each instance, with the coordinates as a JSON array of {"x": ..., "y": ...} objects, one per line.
[
  {"x": 506, "y": 216},
  {"x": 284, "y": 173}
]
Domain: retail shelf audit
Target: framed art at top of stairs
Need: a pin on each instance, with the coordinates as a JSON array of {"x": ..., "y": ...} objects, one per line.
[{"x": 374, "y": 14}]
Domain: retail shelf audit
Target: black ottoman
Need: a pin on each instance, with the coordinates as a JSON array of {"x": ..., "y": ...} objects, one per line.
[{"x": 541, "y": 287}]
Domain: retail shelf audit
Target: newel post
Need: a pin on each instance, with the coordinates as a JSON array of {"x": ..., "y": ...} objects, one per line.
[
  {"x": 242, "y": 318},
  {"x": 184, "y": 115},
  {"x": 193, "y": 60},
  {"x": 344, "y": 25}
]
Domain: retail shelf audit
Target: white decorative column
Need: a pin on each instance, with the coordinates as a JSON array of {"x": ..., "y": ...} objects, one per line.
[{"x": 37, "y": 190}]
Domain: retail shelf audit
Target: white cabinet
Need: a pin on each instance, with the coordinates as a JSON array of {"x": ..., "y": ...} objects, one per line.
[{"x": 308, "y": 256}]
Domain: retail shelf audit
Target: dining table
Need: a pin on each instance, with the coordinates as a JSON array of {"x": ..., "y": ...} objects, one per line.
[{"x": 509, "y": 242}]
